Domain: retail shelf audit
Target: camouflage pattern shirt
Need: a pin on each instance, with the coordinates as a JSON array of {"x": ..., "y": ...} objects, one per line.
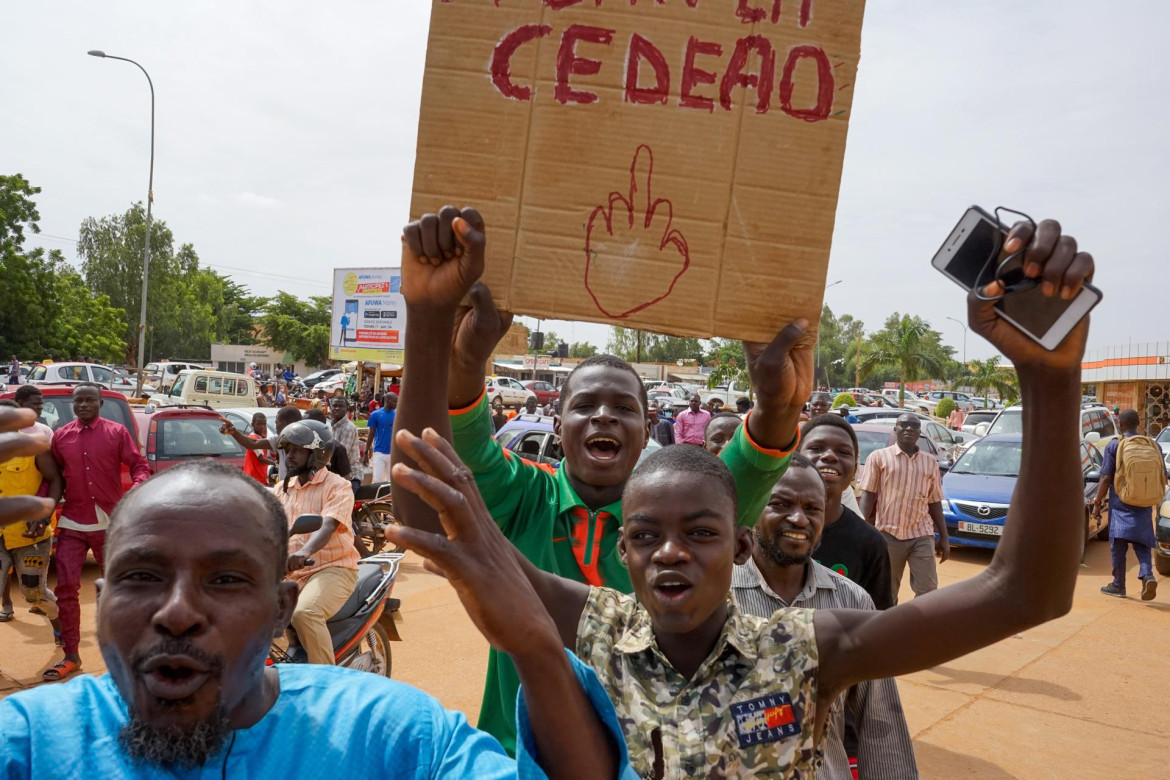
[{"x": 747, "y": 712}]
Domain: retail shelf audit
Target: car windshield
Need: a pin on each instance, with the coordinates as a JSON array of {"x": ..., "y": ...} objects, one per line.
[
  {"x": 870, "y": 441},
  {"x": 991, "y": 459},
  {"x": 1008, "y": 421},
  {"x": 1164, "y": 436},
  {"x": 195, "y": 437}
]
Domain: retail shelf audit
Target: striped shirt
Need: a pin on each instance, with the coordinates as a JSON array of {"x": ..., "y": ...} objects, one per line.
[
  {"x": 328, "y": 495},
  {"x": 884, "y": 748},
  {"x": 906, "y": 486}
]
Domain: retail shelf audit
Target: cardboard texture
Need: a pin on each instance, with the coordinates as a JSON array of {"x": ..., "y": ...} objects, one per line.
[{"x": 670, "y": 165}]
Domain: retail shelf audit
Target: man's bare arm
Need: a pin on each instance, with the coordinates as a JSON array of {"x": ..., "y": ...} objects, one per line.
[
  {"x": 868, "y": 505},
  {"x": 247, "y": 442},
  {"x": 1031, "y": 578}
]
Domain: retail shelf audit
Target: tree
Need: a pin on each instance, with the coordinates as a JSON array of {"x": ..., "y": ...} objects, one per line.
[
  {"x": 836, "y": 352},
  {"x": 582, "y": 349},
  {"x": 646, "y": 347},
  {"x": 985, "y": 375},
  {"x": 906, "y": 345},
  {"x": 299, "y": 328}
]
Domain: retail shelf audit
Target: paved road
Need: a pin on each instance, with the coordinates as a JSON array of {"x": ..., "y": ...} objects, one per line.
[{"x": 1078, "y": 697}]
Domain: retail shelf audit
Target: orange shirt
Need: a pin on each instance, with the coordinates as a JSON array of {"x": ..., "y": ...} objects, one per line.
[{"x": 328, "y": 495}]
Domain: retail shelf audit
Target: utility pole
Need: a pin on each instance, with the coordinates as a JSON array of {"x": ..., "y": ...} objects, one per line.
[
  {"x": 857, "y": 371},
  {"x": 640, "y": 334}
]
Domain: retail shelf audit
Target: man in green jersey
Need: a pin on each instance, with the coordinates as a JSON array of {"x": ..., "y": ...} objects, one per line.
[{"x": 567, "y": 520}]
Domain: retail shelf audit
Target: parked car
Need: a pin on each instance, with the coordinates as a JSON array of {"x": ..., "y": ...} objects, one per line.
[
  {"x": 1097, "y": 426},
  {"x": 531, "y": 437},
  {"x": 977, "y": 491},
  {"x": 872, "y": 413},
  {"x": 962, "y": 400},
  {"x": 58, "y": 410},
  {"x": 169, "y": 436},
  {"x": 674, "y": 398},
  {"x": 986, "y": 403},
  {"x": 974, "y": 418},
  {"x": 1162, "y": 549},
  {"x": 508, "y": 390},
  {"x": 204, "y": 387},
  {"x": 163, "y": 375},
  {"x": 875, "y": 436},
  {"x": 544, "y": 392},
  {"x": 725, "y": 395},
  {"x": 241, "y": 417},
  {"x": 331, "y": 384},
  {"x": 315, "y": 378}
]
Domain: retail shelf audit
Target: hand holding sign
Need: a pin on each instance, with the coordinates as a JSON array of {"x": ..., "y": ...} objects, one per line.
[{"x": 633, "y": 228}]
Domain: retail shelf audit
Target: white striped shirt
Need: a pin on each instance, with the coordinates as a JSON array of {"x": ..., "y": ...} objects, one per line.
[
  {"x": 906, "y": 486},
  {"x": 884, "y": 748}
]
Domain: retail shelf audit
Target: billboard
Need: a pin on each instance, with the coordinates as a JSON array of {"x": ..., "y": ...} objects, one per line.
[{"x": 369, "y": 315}]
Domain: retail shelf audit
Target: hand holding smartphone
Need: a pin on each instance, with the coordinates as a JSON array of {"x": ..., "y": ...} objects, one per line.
[{"x": 972, "y": 257}]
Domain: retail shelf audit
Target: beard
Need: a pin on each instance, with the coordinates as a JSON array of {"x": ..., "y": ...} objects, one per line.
[
  {"x": 770, "y": 546},
  {"x": 187, "y": 745}
]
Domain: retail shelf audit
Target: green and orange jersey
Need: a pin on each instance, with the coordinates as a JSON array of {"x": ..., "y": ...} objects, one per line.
[{"x": 539, "y": 511}]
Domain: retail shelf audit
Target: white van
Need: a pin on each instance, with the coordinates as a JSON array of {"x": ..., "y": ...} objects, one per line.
[{"x": 204, "y": 387}]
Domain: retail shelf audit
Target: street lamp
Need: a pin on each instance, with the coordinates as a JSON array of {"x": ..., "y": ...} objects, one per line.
[
  {"x": 963, "y": 325},
  {"x": 817, "y": 349},
  {"x": 149, "y": 202}
]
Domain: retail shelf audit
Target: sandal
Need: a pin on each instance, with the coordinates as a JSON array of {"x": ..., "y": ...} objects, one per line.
[
  {"x": 5, "y": 615},
  {"x": 60, "y": 670}
]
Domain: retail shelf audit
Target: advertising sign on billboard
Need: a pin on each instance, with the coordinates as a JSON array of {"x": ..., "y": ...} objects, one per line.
[{"x": 369, "y": 315}]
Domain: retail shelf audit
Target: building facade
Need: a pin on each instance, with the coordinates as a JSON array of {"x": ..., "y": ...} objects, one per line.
[{"x": 1131, "y": 376}]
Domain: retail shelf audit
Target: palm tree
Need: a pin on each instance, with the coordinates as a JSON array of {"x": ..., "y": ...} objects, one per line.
[
  {"x": 902, "y": 346},
  {"x": 984, "y": 375}
]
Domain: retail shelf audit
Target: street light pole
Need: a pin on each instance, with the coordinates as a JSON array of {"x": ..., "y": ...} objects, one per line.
[
  {"x": 963, "y": 325},
  {"x": 149, "y": 203}
]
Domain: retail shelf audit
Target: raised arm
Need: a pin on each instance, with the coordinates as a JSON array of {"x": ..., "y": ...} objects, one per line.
[
  {"x": 247, "y": 442},
  {"x": 1031, "y": 578},
  {"x": 570, "y": 735},
  {"x": 782, "y": 376},
  {"x": 14, "y": 444}
]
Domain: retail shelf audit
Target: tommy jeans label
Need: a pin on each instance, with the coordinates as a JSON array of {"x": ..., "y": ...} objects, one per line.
[{"x": 766, "y": 719}]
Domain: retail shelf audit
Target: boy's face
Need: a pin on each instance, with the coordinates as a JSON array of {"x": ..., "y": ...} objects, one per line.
[
  {"x": 790, "y": 528},
  {"x": 602, "y": 425},
  {"x": 718, "y": 433},
  {"x": 832, "y": 454},
  {"x": 680, "y": 542}
]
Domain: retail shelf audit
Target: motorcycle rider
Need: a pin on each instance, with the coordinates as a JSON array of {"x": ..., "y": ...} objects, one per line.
[{"x": 310, "y": 488}]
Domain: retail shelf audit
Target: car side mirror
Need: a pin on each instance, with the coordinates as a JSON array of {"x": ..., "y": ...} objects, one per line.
[
  {"x": 1093, "y": 476},
  {"x": 306, "y": 524},
  {"x": 982, "y": 428},
  {"x": 1092, "y": 437},
  {"x": 943, "y": 468}
]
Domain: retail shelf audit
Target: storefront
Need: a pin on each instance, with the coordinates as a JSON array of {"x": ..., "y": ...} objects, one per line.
[
  {"x": 237, "y": 357},
  {"x": 1132, "y": 376}
]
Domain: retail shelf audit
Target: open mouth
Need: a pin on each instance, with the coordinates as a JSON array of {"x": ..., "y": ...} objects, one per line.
[
  {"x": 828, "y": 473},
  {"x": 795, "y": 536},
  {"x": 173, "y": 677},
  {"x": 672, "y": 589},
  {"x": 603, "y": 447}
]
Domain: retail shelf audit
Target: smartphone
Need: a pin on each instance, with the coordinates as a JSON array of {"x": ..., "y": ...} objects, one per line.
[{"x": 962, "y": 258}]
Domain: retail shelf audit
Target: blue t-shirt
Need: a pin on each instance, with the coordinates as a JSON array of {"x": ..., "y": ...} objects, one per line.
[
  {"x": 327, "y": 722},
  {"x": 381, "y": 422},
  {"x": 288, "y": 375}
]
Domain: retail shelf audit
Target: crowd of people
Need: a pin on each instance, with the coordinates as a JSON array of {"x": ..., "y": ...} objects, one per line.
[{"x": 716, "y": 609}]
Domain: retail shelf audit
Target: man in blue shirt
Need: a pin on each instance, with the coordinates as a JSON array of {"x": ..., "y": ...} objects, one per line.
[
  {"x": 381, "y": 428},
  {"x": 1127, "y": 524},
  {"x": 194, "y": 593}
]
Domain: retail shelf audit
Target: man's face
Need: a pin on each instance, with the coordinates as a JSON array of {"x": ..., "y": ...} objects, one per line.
[
  {"x": 260, "y": 426},
  {"x": 696, "y": 402},
  {"x": 719, "y": 432},
  {"x": 36, "y": 402},
  {"x": 603, "y": 427},
  {"x": 87, "y": 403},
  {"x": 338, "y": 408},
  {"x": 906, "y": 431},
  {"x": 832, "y": 454},
  {"x": 818, "y": 405},
  {"x": 653, "y": 416},
  {"x": 680, "y": 542},
  {"x": 530, "y": 406},
  {"x": 297, "y": 459},
  {"x": 790, "y": 528},
  {"x": 190, "y": 602}
]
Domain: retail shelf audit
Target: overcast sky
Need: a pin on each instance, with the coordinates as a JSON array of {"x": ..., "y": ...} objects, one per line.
[{"x": 286, "y": 136}]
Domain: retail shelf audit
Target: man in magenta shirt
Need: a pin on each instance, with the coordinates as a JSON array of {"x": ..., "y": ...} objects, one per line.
[
  {"x": 90, "y": 451},
  {"x": 691, "y": 423}
]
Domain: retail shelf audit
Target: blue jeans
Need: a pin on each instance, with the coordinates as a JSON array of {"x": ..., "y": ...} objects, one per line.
[{"x": 1118, "y": 548}]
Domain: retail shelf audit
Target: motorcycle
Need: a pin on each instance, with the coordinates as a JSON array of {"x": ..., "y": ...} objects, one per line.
[
  {"x": 373, "y": 511},
  {"x": 364, "y": 626}
]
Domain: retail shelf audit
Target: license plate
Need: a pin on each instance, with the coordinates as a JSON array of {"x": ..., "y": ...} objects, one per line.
[{"x": 981, "y": 528}]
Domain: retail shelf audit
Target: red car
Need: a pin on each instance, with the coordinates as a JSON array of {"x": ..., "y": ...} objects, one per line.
[
  {"x": 544, "y": 392},
  {"x": 58, "y": 410},
  {"x": 168, "y": 437}
]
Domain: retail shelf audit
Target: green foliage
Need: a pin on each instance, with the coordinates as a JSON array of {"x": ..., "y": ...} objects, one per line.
[
  {"x": 836, "y": 352},
  {"x": 627, "y": 344},
  {"x": 844, "y": 399},
  {"x": 47, "y": 308},
  {"x": 985, "y": 375},
  {"x": 906, "y": 346},
  {"x": 582, "y": 349},
  {"x": 944, "y": 408},
  {"x": 298, "y": 327}
]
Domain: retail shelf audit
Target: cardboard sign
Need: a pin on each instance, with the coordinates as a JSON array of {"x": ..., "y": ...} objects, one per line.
[{"x": 671, "y": 165}]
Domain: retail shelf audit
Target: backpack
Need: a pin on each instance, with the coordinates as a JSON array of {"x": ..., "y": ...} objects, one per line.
[{"x": 1140, "y": 478}]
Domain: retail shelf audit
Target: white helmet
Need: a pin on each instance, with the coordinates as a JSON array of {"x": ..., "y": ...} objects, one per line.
[{"x": 253, "y": 365}]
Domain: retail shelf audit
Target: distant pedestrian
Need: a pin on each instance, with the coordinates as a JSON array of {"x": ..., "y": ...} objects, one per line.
[
  {"x": 847, "y": 415},
  {"x": 345, "y": 433},
  {"x": 902, "y": 497},
  {"x": 1133, "y": 478},
  {"x": 318, "y": 402},
  {"x": 661, "y": 430},
  {"x": 256, "y": 462},
  {"x": 819, "y": 403},
  {"x": 381, "y": 428},
  {"x": 690, "y": 425},
  {"x": 743, "y": 406},
  {"x": 955, "y": 421},
  {"x": 499, "y": 416},
  {"x": 14, "y": 371}
]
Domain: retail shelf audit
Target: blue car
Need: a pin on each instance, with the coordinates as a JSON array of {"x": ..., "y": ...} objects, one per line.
[{"x": 978, "y": 490}]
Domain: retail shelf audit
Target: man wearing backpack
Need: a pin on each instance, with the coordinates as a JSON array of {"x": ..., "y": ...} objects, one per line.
[{"x": 1134, "y": 478}]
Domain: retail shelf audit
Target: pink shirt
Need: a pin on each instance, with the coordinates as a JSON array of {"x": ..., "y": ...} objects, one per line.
[
  {"x": 91, "y": 458},
  {"x": 906, "y": 486},
  {"x": 689, "y": 426}
]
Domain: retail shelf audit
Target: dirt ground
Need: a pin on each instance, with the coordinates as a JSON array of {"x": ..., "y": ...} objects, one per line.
[{"x": 1077, "y": 697}]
